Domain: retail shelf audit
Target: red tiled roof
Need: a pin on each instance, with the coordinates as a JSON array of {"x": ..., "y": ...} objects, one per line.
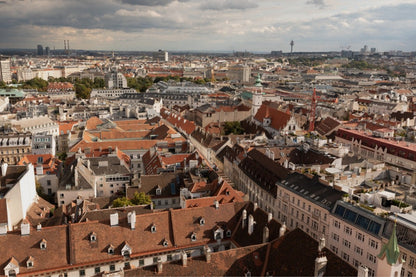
[
  {"x": 278, "y": 118},
  {"x": 92, "y": 123}
]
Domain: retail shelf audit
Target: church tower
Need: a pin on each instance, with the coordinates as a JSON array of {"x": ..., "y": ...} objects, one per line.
[
  {"x": 257, "y": 96},
  {"x": 389, "y": 262}
]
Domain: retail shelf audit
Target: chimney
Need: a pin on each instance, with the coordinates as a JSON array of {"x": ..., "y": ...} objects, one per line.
[
  {"x": 207, "y": 253},
  {"x": 362, "y": 271},
  {"x": 282, "y": 230},
  {"x": 265, "y": 234},
  {"x": 255, "y": 206},
  {"x": 243, "y": 221},
  {"x": 184, "y": 259},
  {"x": 3, "y": 229},
  {"x": 269, "y": 217},
  {"x": 159, "y": 265},
  {"x": 321, "y": 260},
  {"x": 114, "y": 219},
  {"x": 217, "y": 204},
  {"x": 320, "y": 264},
  {"x": 133, "y": 220},
  {"x": 25, "y": 228},
  {"x": 250, "y": 224},
  {"x": 3, "y": 169}
]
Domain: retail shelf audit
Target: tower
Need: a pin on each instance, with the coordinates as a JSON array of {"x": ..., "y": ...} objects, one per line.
[
  {"x": 40, "y": 50},
  {"x": 389, "y": 261},
  {"x": 313, "y": 112},
  {"x": 257, "y": 96},
  {"x": 291, "y": 46}
]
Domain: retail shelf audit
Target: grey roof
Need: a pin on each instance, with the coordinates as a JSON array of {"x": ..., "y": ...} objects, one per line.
[
  {"x": 312, "y": 189},
  {"x": 113, "y": 166}
]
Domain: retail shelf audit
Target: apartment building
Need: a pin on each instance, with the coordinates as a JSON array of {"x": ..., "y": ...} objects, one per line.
[
  {"x": 14, "y": 146},
  {"x": 355, "y": 235}
]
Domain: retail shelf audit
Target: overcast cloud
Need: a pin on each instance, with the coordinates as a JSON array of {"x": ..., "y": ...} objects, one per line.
[{"x": 253, "y": 25}]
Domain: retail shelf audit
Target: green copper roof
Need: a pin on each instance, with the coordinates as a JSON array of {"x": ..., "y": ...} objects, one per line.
[
  {"x": 391, "y": 249},
  {"x": 258, "y": 81}
]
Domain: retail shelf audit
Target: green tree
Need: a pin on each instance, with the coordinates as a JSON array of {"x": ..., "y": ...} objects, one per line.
[
  {"x": 2, "y": 84},
  {"x": 121, "y": 202},
  {"x": 82, "y": 91},
  {"x": 140, "y": 198},
  {"x": 98, "y": 83},
  {"x": 233, "y": 127}
]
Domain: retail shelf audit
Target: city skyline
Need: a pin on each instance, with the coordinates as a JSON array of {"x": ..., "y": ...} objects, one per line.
[{"x": 222, "y": 25}]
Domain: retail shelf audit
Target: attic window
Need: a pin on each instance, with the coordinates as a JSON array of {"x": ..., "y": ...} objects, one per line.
[
  {"x": 43, "y": 244},
  {"x": 110, "y": 250},
  {"x": 93, "y": 237},
  {"x": 158, "y": 191},
  {"x": 40, "y": 160},
  {"x": 165, "y": 243},
  {"x": 193, "y": 237},
  {"x": 29, "y": 263},
  {"x": 202, "y": 221},
  {"x": 153, "y": 228},
  {"x": 228, "y": 233}
]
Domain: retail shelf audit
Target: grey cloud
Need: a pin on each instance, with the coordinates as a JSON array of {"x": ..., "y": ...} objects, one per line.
[
  {"x": 150, "y": 2},
  {"x": 219, "y": 5},
  {"x": 318, "y": 3}
]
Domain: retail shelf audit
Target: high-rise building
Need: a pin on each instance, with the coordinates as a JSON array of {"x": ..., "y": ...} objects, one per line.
[
  {"x": 47, "y": 51},
  {"x": 40, "y": 50},
  {"x": 5, "y": 73},
  {"x": 161, "y": 56}
]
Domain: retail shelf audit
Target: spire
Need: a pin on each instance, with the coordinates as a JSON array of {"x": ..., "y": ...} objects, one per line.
[
  {"x": 258, "y": 81},
  {"x": 391, "y": 249}
]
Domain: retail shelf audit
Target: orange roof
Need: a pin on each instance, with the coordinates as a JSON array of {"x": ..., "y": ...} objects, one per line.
[
  {"x": 122, "y": 145},
  {"x": 66, "y": 126},
  {"x": 278, "y": 118},
  {"x": 92, "y": 123}
]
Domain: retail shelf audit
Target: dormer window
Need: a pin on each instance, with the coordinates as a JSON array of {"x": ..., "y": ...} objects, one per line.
[
  {"x": 153, "y": 228},
  {"x": 126, "y": 250},
  {"x": 29, "y": 262},
  {"x": 228, "y": 233},
  {"x": 158, "y": 191},
  {"x": 193, "y": 237},
  {"x": 93, "y": 237},
  {"x": 165, "y": 243},
  {"x": 42, "y": 244},
  {"x": 110, "y": 250},
  {"x": 202, "y": 221}
]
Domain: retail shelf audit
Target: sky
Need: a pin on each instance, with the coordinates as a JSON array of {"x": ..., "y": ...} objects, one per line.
[{"x": 209, "y": 25}]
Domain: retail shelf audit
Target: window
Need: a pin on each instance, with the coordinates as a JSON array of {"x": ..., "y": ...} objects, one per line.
[
  {"x": 334, "y": 249},
  {"x": 29, "y": 264},
  {"x": 314, "y": 225},
  {"x": 404, "y": 257},
  {"x": 359, "y": 236},
  {"x": 165, "y": 243},
  {"x": 169, "y": 257},
  {"x": 358, "y": 250},
  {"x": 155, "y": 260},
  {"x": 93, "y": 237},
  {"x": 228, "y": 233},
  {"x": 141, "y": 262},
  {"x": 82, "y": 272},
  {"x": 371, "y": 272},
  {"x": 355, "y": 263},
  {"x": 193, "y": 237},
  {"x": 127, "y": 264},
  {"x": 411, "y": 261},
  {"x": 153, "y": 229},
  {"x": 110, "y": 250},
  {"x": 345, "y": 256},
  {"x": 97, "y": 270},
  {"x": 324, "y": 229},
  {"x": 335, "y": 237},
  {"x": 112, "y": 267},
  {"x": 409, "y": 274},
  {"x": 337, "y": 224},
  {"x": 43, "y": 244},
  {"x": 402, "y": 272},
  {"x": 347, "y": 243},
  {"x": 373, "y": 243},
  {"x": 371, "y": 258},
  {"x": 347, "y": 230}
]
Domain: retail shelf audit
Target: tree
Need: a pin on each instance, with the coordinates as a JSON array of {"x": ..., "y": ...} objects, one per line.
[
  {"x": 82, "y": 91},
  {"x": 233, "y": 127},
  {"x": 2, "y": 84},
  {"x": 121, "y": 202},
  {"x": 140, "y": 198}
]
